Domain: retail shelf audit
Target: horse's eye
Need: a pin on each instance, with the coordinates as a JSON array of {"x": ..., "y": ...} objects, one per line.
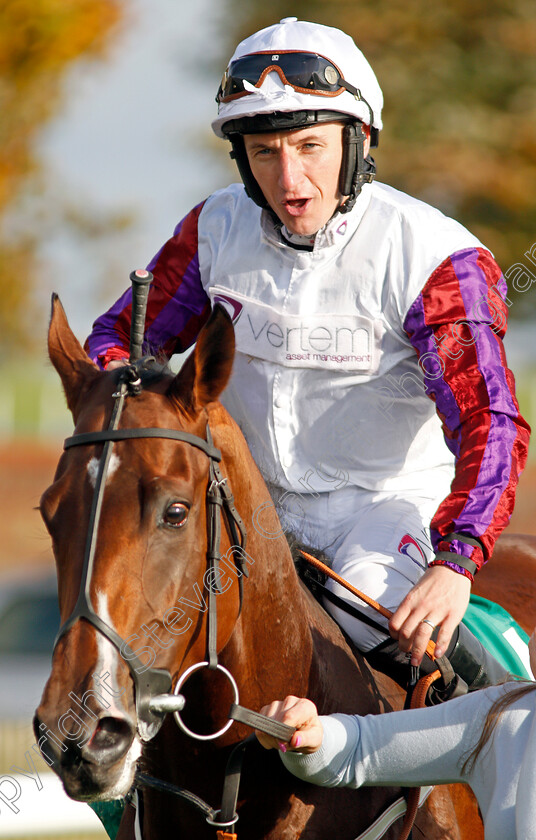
[{"x": 176, "y": 514}]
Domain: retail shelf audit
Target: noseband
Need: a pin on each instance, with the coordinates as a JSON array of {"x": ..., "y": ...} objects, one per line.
[{"x": 150, "y": 682}]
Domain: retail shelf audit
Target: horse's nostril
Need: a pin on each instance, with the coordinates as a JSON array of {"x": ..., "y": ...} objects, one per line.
[{"x": 110, "y": 741}]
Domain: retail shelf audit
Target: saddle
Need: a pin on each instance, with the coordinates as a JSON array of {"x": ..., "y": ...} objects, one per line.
[{"x": 488, "y": 635}]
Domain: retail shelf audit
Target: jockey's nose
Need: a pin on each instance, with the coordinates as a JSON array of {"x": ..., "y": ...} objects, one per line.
[
  {"x": 290, "y": 172},
  {"x": 110, "y": 741}
]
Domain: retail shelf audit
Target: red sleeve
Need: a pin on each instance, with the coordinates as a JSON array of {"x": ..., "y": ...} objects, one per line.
[
  {"x": 456, "y": 325},
  {"x": 177, "y": 307}
]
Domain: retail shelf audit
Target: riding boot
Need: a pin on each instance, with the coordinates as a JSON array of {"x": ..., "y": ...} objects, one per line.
[
  {"x": 472, "y": 664},
  {"x": 470, "y": 659}
]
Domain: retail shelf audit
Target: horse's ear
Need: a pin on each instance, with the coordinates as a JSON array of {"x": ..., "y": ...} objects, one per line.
[
  {"x": 207, "y": 370},
  {"x": 68, "y": 356}
]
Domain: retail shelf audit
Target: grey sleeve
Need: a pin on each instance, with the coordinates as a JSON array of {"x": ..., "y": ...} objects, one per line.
[
  {"x": 334, "y": 764},
  {"x": 412, "y": 748}
]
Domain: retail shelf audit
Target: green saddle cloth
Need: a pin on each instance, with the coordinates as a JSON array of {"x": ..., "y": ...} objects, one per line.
[
  {"x": 500, "y": 634},
  {"x": 110, "y": 814}
]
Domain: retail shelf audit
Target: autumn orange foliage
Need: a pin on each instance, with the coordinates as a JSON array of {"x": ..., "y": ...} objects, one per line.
[
  {"x": 39, "y": 39},
  {"x": 459, "y": 80}
]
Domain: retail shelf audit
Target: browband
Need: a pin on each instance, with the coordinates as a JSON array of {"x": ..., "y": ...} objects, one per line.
[{"x": 154, "y": 432}]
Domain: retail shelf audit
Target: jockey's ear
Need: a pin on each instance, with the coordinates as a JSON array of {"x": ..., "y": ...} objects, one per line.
[
  {"x": 207, "y": 370},
  {"x": 67, "y": 355}
]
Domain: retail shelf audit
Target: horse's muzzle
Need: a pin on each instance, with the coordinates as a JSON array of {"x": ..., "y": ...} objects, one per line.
[{"x": 101, "y": 766}]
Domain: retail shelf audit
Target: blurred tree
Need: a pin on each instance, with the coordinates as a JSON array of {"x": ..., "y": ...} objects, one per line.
[
  {"x": 39, "y": 39},
  {"x": 459, "y": 80}
]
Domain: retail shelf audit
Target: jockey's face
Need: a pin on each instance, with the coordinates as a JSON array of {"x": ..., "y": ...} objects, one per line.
[{"x": 298, "y": 172}]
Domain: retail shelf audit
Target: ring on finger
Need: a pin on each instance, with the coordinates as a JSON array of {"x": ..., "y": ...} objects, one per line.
[{"x": 427, "y": 621}]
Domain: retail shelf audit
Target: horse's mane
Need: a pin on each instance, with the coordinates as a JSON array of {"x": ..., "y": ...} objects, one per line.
[
  {"x": 309, "y": 575},
  {"x": 296, "y": 547},
  {"x": 153, "y": 370}
]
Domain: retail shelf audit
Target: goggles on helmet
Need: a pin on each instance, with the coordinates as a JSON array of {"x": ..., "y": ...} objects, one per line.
[{"x": 306, "y": 72}]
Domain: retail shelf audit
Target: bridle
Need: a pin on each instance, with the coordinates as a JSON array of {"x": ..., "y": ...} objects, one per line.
[{"x": 152, "y": 682}]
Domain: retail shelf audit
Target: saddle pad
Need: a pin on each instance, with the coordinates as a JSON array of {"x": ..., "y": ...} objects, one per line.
[
  {"x": 495, "y": 628},
  {"x": 109, "y": 813}
]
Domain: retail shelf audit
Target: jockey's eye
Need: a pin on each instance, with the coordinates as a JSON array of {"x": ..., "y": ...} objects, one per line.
[{"x": 176, "y": 514}]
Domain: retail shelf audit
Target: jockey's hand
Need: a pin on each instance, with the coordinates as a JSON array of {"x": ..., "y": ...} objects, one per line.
[
  {"x": 116, "y": 363},
  {"x": 298, "y": 712},
  {"x": 441, "y": 596}
]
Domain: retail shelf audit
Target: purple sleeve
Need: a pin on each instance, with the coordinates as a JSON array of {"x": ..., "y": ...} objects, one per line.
[
  {"x": 177, "y": 306},
  {"x": 456, "y": 326}
]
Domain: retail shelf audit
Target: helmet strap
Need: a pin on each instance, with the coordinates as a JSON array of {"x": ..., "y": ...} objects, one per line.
[
  {"x": 238, "y": 153},
  {"x": 353, "y": 139},
  {"x": 356, "y": 170}
]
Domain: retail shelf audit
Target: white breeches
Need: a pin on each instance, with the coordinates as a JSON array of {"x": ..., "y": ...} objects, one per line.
[{"x": 379, "y": 542}]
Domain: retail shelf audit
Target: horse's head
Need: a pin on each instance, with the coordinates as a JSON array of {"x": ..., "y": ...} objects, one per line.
[{"x": 128, "y": 521}]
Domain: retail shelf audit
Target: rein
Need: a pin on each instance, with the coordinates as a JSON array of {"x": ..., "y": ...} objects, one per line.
[{"x": 383, "y": 611}]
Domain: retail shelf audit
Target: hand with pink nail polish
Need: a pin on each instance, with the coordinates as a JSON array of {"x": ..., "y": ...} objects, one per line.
[{"x": 297, "y": 712}]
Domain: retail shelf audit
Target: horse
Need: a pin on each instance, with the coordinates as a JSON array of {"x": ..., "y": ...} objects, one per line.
[
  {"x": 139, "y": 590},
  {"x": 509, "y": 578}
]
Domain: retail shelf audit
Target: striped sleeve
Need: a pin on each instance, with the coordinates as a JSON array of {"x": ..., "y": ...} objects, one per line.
[
  {"x": 177, "y": 306},
  {"x": 456, "y": 326}
]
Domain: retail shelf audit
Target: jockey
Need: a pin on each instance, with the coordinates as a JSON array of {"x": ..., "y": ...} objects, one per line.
[{"x": 370, "y": 380}]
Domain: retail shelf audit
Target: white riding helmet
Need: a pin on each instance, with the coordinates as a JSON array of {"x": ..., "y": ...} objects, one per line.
[
  {"x": 296, "y": 74},
  {"x": 285, "y": 39}
]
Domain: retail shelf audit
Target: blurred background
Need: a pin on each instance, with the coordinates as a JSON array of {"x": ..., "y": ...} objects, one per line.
[{"x": 105, "y": 143}]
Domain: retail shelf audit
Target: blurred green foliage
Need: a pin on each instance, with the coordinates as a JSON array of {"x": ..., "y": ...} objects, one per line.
[{"x": 459, "y": 81}]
